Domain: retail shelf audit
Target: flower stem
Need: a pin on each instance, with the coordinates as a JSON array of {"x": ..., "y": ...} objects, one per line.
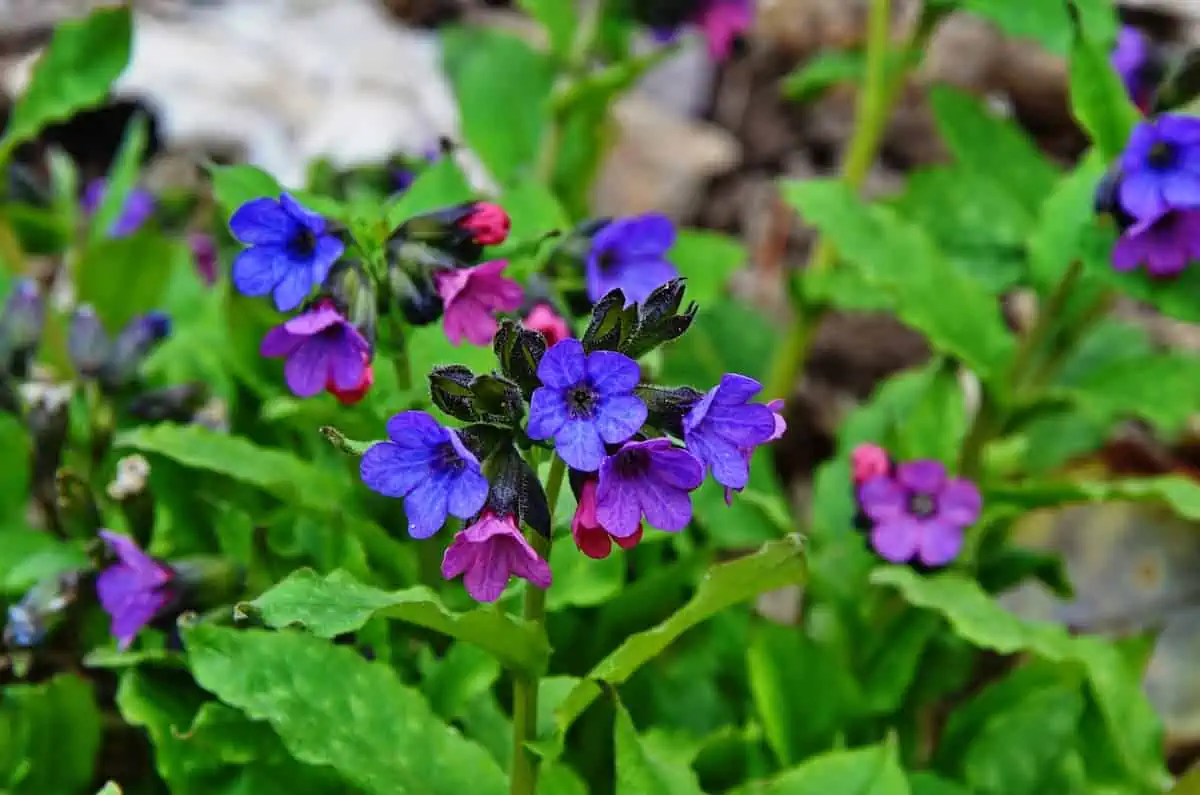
[
  {"x": 525, "y": 688},
  {"x": 574, "y": 66}
]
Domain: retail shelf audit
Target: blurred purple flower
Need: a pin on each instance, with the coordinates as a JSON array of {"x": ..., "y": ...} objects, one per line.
[
  {"x": 289, "y": 250},
  {"x": 651, "y": 479},
  {"x": 204, "y": 256},
  {"x": 1161, "y": 167},
  {"x": 322, "y": 348},
  {"x": 1164, "y": 245},
  {"x": 919, "y": 512},
  {"x": 139, "y": 206},
  {"x": 720, "y": 21},
  {"x": 630, "y": 254},
  {"x": 1132, "y": 58},
  {"x": 723, "y": 429},
  {"x": 472, "y": 296},
  {"x": 134, "y": 590},
  {"x": 586, "y": 401},
  {"x": 491, "y": 551},
  {"x": 428, "y": 467}
]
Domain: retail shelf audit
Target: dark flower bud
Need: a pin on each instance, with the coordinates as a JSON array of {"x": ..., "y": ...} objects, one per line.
[
  {"x": 488, "y": 223},
  {"x": 40, "y": 611},
  {"x": 461, "y": 231},
  {"x": 46, "y": 417},
  {"x": 21, "y": 327},
  {"x": 519, "y": 351},
  {"x": 612, "y": 324},
  {"x": 514, "y": 489},
  {"x": 201, "y": 582},
  {"x": 1108, "y": 203},
  {"x": 78, "y": 512},
  {"x": 483, "y": 440},
  {"x": 659, "y": 320},
  {"x": 498, "y": 400},
  {"x": 666, "y": 406},
  {"x": 354, "y": 296},
  {"x": 88, "y": 344},
  {"x": 132, "y": 346},
  {"x": 450, "y": 388},
  {"x": 411, "y": 285},
  {"x": 171, "y": 404}
]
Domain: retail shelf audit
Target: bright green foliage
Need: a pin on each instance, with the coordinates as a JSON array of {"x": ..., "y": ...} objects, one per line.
[
  {"x": 49, "y": 736},
  {"x": 642, "y": 768}
]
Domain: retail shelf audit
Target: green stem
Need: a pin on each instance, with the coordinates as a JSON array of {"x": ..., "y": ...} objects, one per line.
[
  {"x": 576, "y": 64},
  {"x": 403, "y": 368},
  {"x": 525, "y": 688}
]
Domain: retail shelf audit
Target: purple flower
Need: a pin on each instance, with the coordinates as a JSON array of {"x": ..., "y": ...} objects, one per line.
[
  {"x": 1161, "y": 167},
  {"x": 428, "y": 467},
  {"x": 472, "y": 296},
  {"x": 322, "y": 348},
  {"x": 586, "y": 401},
  {"x": 134, "y": 590},
  {"x": 723, "y": 428},
  {"x": 650, "y": 479},
  {"x": 139, "y": 206},
  {"x": 920, "y": 513},
  {"x": 776, "y": 407},
  {"x": 721, "y": 22},
  {"x": 204, "y": 256},
  {"x": 289, "y": 251},
  {"x": 1133, "y": 58},
  {"x": 630, "y": 255},
  {"x": 490, "y": 552},
  {"x": 1164, "y": 245}
]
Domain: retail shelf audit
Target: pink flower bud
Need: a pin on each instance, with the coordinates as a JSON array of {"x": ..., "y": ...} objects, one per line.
[
  {"x": 488, "y": 223},
  {"x": 545, "y": 320},
  {"x": 869, "y": 461}
]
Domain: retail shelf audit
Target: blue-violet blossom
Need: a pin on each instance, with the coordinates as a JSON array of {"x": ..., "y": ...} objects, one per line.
[
  {"x": 1161, "y": 167},
  {"x": 651, "y": 479},
  {"x": 133, "y": 590},
  {"x": 428, "y": 467},
  {"x": 586, "y": 401},
  {"x": 723, "y": 428},
  {"x": 322, "y": 349},
  {"x": 289, "y": 253},
  {"x": 139, "y": 206},
  {"x": 630, "y": 254},
  {"x": 1164, "y": 245}
]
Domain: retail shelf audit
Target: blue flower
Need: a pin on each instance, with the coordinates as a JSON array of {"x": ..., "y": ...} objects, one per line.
[
  {"x": 1161, "y": 167},
  {"x": 134, "y": 590},
  {"x": 586, "y": 401},
  {"x": 630, "y": 254},
  {"x": 289, "y": 251},
  {"x": 428, "y": 467},
  {"x": 724, "y": 426}
]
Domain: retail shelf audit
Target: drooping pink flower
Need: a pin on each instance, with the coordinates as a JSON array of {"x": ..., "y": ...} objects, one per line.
[
  {"x": 722, "y": 22},
  {"x": 869, "y": 461},
  {"x": 589, "y": 535},
  {"x": 544, "y": 319},
  {"x": 488, "y": 223},
  {"x": 472, "y": 296},
  {"x": 491, "y": 551}
]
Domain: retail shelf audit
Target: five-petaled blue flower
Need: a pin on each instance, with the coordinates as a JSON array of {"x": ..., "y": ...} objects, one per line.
[
  {"x": 586, "y": 400},
  {"x": 427, "y": 466},
  {"x": 289, "y": 251},
  {"x": 1161, "y": 167},
  {"x": 723, "y": 427},
  {"x": 630, "y": 254}
]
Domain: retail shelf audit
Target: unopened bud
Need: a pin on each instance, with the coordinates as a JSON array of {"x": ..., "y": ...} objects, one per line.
[
  {"x": 133, "y": 345},
  {"x": 204, "y": 256},
  {"x": 488, "y": 224},
  {"x": 354, "y": 296},
  {"x": 178, "y": 403},
  {"x": 40, "y": 611},
  {"x": 88, "y": 344},
  {"x": 21, "y": 326},
  {"x": 411, "y": 285}
]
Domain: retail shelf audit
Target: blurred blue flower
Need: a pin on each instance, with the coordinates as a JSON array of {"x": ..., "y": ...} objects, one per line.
[
  {"x": 630, "y": 254},
  {"x": 139, "y": 206},
  {"x": 428, "y": 467},
  {"x": 651, "y": 478},
  {"x": 587, "y": 400},
  {"x": 289, "y": 253},
  {"x": 134, "y": 590},
  {"x": 1160, "y": 168}
]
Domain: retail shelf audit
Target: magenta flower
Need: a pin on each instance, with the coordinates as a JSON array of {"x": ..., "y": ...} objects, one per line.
[
  {"x": 472, "y": 296},
  {"x": 428, "y": 467},
  {"x": 651, "y": 479},
  {"x": 321, "y": 348},
  {"x": 134, "y": 590},
  {"x": 722, "y": 22},
  {"x": 919, "y": 512},
  {"x": 585, "y": 402},
  {"x": 488, "y": 224},
  {"x": 723, "y": 429},
  {"x": 869, "y": 461},
  {"x": 542, "y": 318},
  {"x": 491, "y": 551},
  {"x": 587, "y": 532},
  {"x": 630, "y": 255},
  {"x": 204, "y": 256},
  {"x": 1164, "y": 245}
]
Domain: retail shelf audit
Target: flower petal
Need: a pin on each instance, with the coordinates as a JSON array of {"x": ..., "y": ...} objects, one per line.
[
  {"x": 883, "y": 499},
  {"x": 746, "y": 425},
  {"x": 468, "y": 493},
  {"x": 563, "y": 365},
  {"x": 394, "y": 471},
  {"x": 347, "y": 364},
  {"x": 959, "y": 503},
  {"x": 416, "y": 429},
  {"x": 262, "y": 222},
  {"x": 618, "y": 507},
  {"x": 926, "y": 476},
  {"x": 547, "y": 413},
  {"x": 665, "y": 506},
  {"x": 619, "y": 417},
  {"x": 1141, "y": 195},
  {"x": 524, "y": 562},
  {"x": 678, "y": 468},
  {"x": 940, "y": 542},
  {"x": 426, "y": 506},
  {"x": 578, "y": 443},
  {"x": 307, "y": 369},
  {"x": 736, "y": 389},
  {"x": 292, "y": 288},
  {"x": 488, "y": 575},
  {"x": 612, "y": 373},
  {"x": 459, "y": 556},
  {"x": 280, "y": 342},
  {"x": 726, "y": 460},
  {"x": 257, "y": 270},
  {"x": 639, "y": 278},
  {"x": 301, "y": 214},
  {"x": 896, "y": 540}
]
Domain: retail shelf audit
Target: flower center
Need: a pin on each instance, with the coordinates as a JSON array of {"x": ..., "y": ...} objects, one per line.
[
  {"x": 581, "y": 402},
  {"x": 922, "y": 506},
  {"x": 446, "y": 459},
  {"x": 633, "y": 463},
  {"x": 1162, "y": 156},
  {"x": 303, "y": 243},
  {"x": 606, "y": 261}
]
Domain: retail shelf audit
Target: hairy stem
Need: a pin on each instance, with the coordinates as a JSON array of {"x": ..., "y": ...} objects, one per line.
[{"x": 525, "y": 688}]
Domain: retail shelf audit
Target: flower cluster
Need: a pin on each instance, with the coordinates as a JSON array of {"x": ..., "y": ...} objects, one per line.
[
  {"x": 912, "y": 510},
  {"x": 635, "y": 451}
]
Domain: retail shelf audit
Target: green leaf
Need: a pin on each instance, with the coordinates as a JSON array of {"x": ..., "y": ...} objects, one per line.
[
  {"x": 555, "y": 778},
  {"x": 580, "y": 581},
  {"x": 1099, "y": 100},
  {"x": 273, "y": 471},
  {"x": 126, "y": 276},
  {"x": 377, "y": 733},
  {"x": 1045, "y": 21},
  {"x": 15, "y": 474},
  {"x": 1063, "y": 220},
  {"x": 956, "y": 313},
  {"x": 640, "y": 770},
  {"x": 462, "y": 675},
  {"x": 1098, "y": 22},
  {"x": 337, "y": 604},
  {"x": 874, "y": 770},
  {"x": 935, "y": 425},
  {"x": 1155, "y": 388},
  {"x": 924, "y": 783},
  {"x": 707, "y": 260},
  {"x": 74, "y": 72},
  {"x": 503, "y": 89},
  {"x": 233, "y": 186},
  {"x": 993, "y": 147},
  {"x": 1181, "y": 494},
  {"x": 821, "y": 73},
  {"x": 29, "y": 556},
  {"x": 441, "y": 185},
  {"x": 122, "y": 178},
  {"x": 51, "y": 736},
  {"x": 559, "y": 19},
  {"x": 777, "y": 564}
]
